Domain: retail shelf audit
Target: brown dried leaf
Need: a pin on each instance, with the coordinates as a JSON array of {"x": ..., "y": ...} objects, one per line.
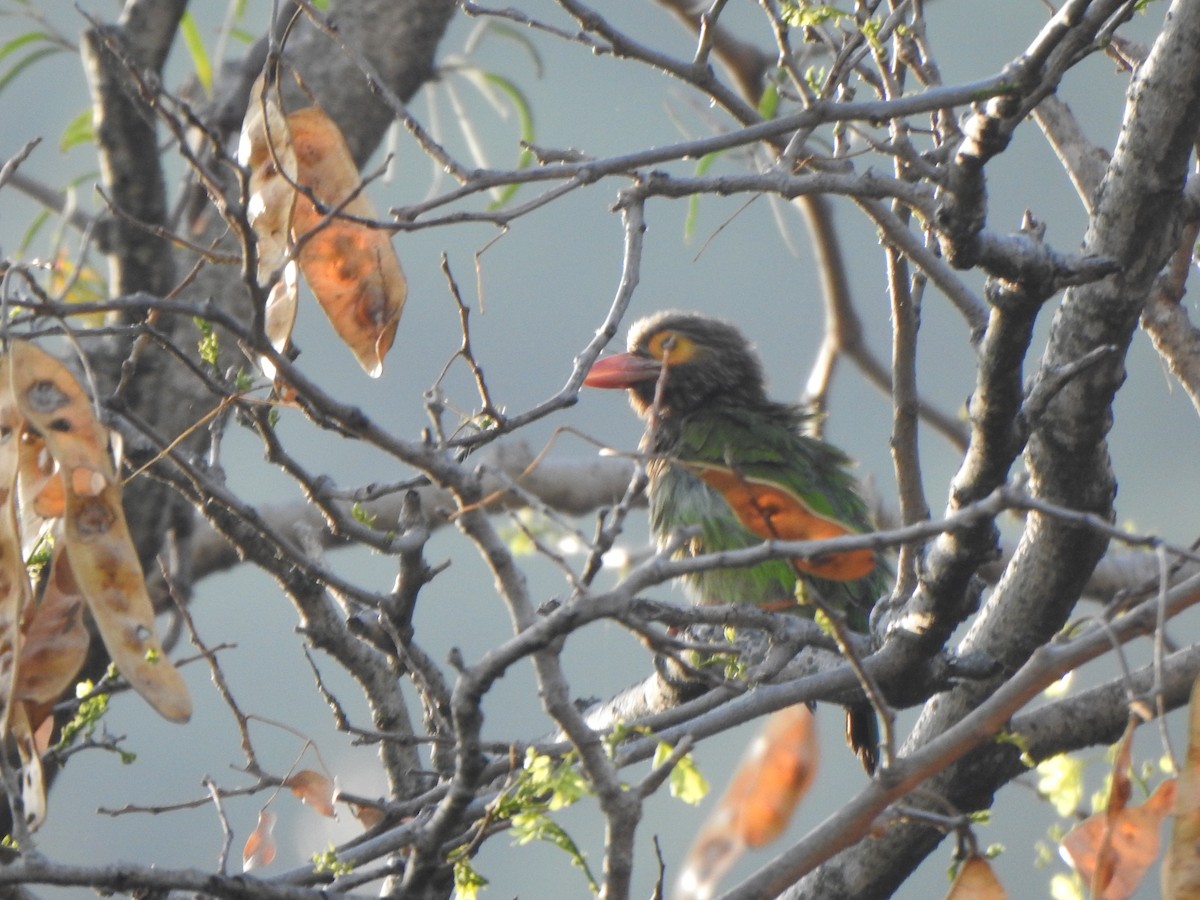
[
  {"x": 1113, "y": 852},
  {"x": 33, "y": 779},
  {"x": 976, "y": 881},
  {"x": 351, "y": 268},
  {"x": 280, "y": 316},
  {"x": 369, "y": 816},
  {"x": 1181, "y": 869},
  {"x": 770, "y": 781},
  {"x": 94, "y": 532},
  {"x": 260, "y": 846},
  {"x": 15, "y": 590},
  {"x": 40, "y": 492},
  {"x": 265, "y": 148},
  {"x": 55, "y": 641},
  {"x": 314, "y": 789}
]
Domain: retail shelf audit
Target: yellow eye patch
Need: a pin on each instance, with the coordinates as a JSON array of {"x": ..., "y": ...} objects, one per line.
[{"x": 671, "y": 346}]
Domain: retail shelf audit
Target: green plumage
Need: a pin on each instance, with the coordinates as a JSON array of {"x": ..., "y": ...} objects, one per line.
[
  {"x": 763, "y": 443},
  {"x": 700, "y": 387}
]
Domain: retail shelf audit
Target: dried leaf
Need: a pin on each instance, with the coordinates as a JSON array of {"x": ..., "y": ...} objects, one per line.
[
  {"x": 280, "y": 316},
  {"x": 369, "y": 816},
  {"x": 94, "y": 532},
  {"x": 1181, "y": 869},
  {"x": 1114, "y": 852},
  {"x": 265, "y": 148},
  {"x": 40, "y": 492},
  {"x": 33, "y": 779},
  {"x": 976, "y": 881},
  {"x": 770, "y": 781},
  {"x": 314, "y": 789},
  {"x": 15, "y": 590},
  {"x": 55, "y": 641},
  {"x": 771, "y": 511},
  {"x": 260, "y": 846},
  {"x": 351, "y": 268}
]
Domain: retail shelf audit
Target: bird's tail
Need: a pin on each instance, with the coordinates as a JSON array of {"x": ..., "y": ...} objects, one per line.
[{"x": 862, "y": 734}]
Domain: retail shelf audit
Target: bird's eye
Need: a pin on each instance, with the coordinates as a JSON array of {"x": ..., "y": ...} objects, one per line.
[{"x": 672, "y": 346}]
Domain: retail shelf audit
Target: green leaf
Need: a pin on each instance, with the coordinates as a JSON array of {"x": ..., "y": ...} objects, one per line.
[
  {"x": 1060, "y": 780},
  {"x": 329, "y": 862},
  {"x": 78, "y": 131},
  {"x": 545, "y": 784},
  {"x": 562, "y": 780},
  {"x": 195, "y": 48},
  {"x": 503, "y": 94},
  {"x": 538, "y": 826},
  {"x": 92, "y": 707},
  {"x": 504, "y": 30},
  {"x": 686, "y": 783},
  {"x": 693, "y": 212},
  {"x": 24, "y": 63},
  {"x": 208, "y": 346},
  {"x": 1019, "y": 741},
  {"x": 467, "y": 882},
  {"x": 29, "y": 37},
  {"x": 768, "y": 103},
  {"x": 362, "y": 516},
  {"x": 805, "y": 15}
]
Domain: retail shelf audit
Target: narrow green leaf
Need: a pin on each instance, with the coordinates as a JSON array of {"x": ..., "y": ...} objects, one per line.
[
  {"x": 525, "y": 123},
  {"x": 31, "y": 232},
  {"x": 24, "y": 63},
  {"x": 504, "y": 30},
  {"x": 502, "y": 95},
  {"x": 693, "y": 212},
  {"x": 10, "y": 47},
  {"x": 195, "y": 48},
  {"x": 768, "y": 103},
  {"x": 78, "y": 131}
]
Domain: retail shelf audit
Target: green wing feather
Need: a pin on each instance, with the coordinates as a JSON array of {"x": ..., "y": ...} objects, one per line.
[{"x": 766, "y": 447}]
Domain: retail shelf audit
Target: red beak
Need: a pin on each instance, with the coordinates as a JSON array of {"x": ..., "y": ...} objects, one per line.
[{"x": 622, "y": 370}]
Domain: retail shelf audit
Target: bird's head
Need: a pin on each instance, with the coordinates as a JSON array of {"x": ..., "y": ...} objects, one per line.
[{"x": 700, "y": 361}]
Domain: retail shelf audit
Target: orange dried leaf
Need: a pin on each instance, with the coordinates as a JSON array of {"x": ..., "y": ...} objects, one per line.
[
  {"x": 55, "y": 641},
  {"x": 260, "y": 846},
  {"x": 771, "y": 779},
  {"x": 39, "y": 485},
  {"x": 351, "y": 268},
  {"x": 1113, "y": 852},
  {"x": 976, "y": 881},
  {"x": 43, "y": 723},
  {"x": 94, "y": 532},
  {"x": 370, "y": 816},
  {"x": 51, "y": 501},
  {"x": 773, "y": 512},
  {"x": 1181, "y": 870},
  {"x": 314, "y": 789}
]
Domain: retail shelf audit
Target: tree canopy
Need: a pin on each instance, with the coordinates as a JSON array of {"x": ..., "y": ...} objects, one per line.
[{"x": 399, "y": 558}]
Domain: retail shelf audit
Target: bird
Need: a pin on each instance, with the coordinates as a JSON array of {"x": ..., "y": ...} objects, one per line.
[{"x": 731, "y": 468}]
